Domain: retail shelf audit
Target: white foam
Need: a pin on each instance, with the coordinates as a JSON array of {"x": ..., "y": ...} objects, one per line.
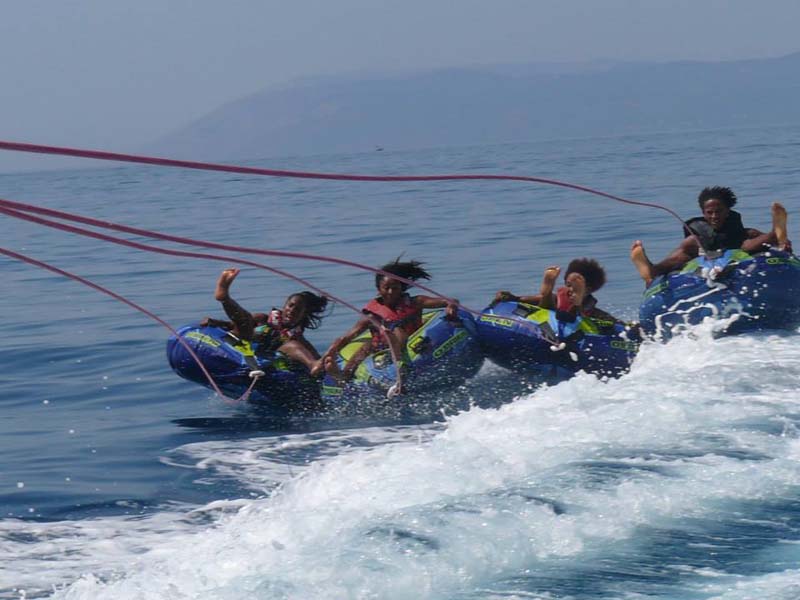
[
  {"x": 784, "y": 585},
  {"x": 556, "y": 475}
]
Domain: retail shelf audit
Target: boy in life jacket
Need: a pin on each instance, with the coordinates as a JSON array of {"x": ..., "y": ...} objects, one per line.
[
  {"x": 279, "y": 330},
  {"x": 391, "y": 316},
  {"x": 583, "y": 277},
  {"x": 720, "y": 228}
]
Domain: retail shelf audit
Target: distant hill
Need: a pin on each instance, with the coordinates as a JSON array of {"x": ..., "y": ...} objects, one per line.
[{"x": 493, "y": 104}]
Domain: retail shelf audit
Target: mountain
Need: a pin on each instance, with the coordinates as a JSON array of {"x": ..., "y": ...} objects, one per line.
[{"x": 493, "y": 104}]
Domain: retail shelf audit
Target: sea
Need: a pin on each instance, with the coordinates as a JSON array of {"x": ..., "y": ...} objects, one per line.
[{"x": 119, "y": 480}]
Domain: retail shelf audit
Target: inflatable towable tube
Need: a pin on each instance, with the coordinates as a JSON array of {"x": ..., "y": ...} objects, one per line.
[
  {"x": 442, "y": 354},
  {"x": 553, "y": 345},
  {"x": 285, "y": 384},
  {"x": 760, "y": 291}
]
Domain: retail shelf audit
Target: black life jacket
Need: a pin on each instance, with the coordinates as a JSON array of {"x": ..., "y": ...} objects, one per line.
[{"x": 730, "y": 237}]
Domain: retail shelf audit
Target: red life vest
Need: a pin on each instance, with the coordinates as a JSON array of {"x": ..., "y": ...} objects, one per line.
[
  {"x": 563, "y": 303},
  {"x": 406, "y": 315}
]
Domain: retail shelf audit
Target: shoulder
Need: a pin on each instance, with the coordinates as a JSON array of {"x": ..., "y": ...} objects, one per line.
[
  {"x": 696, "y": 226},
  {"x": 734, "y": 222}
]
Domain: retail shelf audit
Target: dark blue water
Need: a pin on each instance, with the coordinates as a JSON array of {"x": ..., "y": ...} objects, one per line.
[{"x": 119, "y": 480}]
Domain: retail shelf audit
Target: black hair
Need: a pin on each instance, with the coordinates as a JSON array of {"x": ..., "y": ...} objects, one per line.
[
  {"x": 590, "y": 269},
  {"x": 315, "y": 307},
  {"x": 411, "y": 269},
  {"x": 723, "y": 194}
]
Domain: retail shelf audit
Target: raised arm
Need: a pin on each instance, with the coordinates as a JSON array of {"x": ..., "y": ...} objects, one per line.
[
  {"x": 450, "y": 305},
  {"x": 546, "y": 297},
  {"x": 680, "y": 256},
  {"x": 361, "y": 326},
  {"x": 243, "y": 322}
]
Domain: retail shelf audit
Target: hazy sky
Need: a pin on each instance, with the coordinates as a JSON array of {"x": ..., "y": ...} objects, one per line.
[{"x": 114, "y": 74}]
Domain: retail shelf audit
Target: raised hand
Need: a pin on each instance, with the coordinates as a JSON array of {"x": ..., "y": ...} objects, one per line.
[{"x": 224, "y": 283}]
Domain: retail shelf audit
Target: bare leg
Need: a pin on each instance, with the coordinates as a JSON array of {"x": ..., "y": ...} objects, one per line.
[
  {"x": 357, "y": 358},
  {"x": 779, "y": 218},
  {"x": 298, "y": 351},
  {"x": 641, "y": 262},
  {"x": 309, "y": 346},
  {"x": 398, "y": 339},
  {"x": 332, "y": 368},
  {"x": 341, "y": 375},
  {"x": 546, "y": 290},
  {"x": 319, "y": 366},
  {"x": 774, "y": 237}
]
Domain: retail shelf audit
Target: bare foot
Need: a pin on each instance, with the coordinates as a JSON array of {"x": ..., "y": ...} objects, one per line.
[
  {"x": 224, "y": 283},
  {"x": 318, "y": 368},
  {"x": 332, "y": 368},
  {"x": 641, "y": 262},
  {"x": 779, "y": 218}
]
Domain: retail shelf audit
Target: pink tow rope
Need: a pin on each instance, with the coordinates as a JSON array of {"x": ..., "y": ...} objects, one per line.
[
  {"x": 187, "y": 164},
  {"x": 17, "y": 210},
  {"x": 11, "y": 212},
  {"x": 99, "y": 288}
]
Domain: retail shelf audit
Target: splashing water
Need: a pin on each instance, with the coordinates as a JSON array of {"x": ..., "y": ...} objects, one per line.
[{"x": 567, "y": 484}]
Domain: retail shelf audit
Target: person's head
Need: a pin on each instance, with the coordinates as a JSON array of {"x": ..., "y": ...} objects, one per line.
[
  {"x": 304, "y": 309},
  {"x": 593, "y": 274},
  {"x": 390, "y": 289},
  {"x": 716, "y": 203}
]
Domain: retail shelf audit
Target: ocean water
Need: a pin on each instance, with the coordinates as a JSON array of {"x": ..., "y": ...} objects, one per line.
[{"x": 680, "y": 480}]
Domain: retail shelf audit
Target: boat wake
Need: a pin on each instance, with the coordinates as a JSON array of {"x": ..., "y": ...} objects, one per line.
[{"x": 678, "y": 479}]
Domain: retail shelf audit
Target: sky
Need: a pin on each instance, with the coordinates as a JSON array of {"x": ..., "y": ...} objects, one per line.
[{"x": 118, "y": 74}]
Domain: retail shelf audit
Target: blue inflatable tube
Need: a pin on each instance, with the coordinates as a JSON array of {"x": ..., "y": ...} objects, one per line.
[
  {"x": 553, "y": 346},
  {"x": 761, "y": 291},
  {"x": 285, "y": 385},
  {"x": 440, "y": 355}
]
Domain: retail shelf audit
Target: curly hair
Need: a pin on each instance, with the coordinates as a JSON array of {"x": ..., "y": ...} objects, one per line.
[
  {"x": 592, "y": 272},
  {"x": 723, "y": 194},
  {"x": 315, "y": 307},
  {"x": 411, "y": 269}
]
